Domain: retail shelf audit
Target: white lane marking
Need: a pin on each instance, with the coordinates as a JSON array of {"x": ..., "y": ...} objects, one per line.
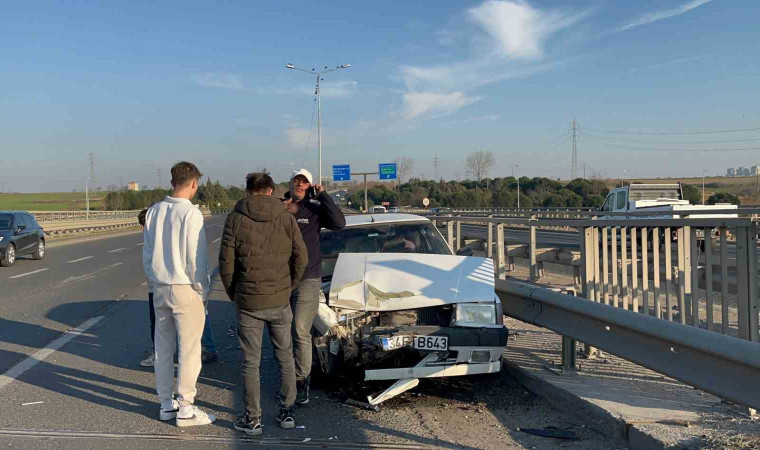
[
  {"x": 116, "y": 250},
  {"x": 141, "y": 243},
  {"x": 91, "y": 275},
  {"x": 18, "y": 370},
  {"x": 216, "y": 240},
  {"x": 80, "y": 259},
  {"x": 28, "y": 273}
]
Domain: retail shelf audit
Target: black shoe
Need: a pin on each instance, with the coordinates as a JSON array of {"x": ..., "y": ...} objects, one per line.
[
  {"x": 302, "y": 396},
  {"x": 209, "y": 357},
  {"x": 286, "y": 419},
  {"x": 248, "y": 425}
]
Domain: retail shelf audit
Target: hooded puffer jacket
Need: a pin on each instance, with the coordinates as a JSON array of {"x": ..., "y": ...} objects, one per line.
[{"x": 261, "y": 253}]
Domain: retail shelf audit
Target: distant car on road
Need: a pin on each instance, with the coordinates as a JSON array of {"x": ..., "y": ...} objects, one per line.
[
  {"x": 20, "y": 235},
  {"x": 393, "y": 209},
  {"x": 377, "y": 210}
]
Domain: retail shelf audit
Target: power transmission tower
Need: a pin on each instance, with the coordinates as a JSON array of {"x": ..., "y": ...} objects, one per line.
[
  {"x": 574, "y": 165},
  {"x": 158, "y": 178},
  {"x": 436, "y": 164}
]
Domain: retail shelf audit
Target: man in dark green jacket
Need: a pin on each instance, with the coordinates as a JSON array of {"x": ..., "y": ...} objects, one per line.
[{"x": 262, "y": 255}]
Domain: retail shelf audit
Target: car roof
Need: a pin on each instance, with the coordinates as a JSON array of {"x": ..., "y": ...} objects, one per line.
[
  {"x": 369, "y": 219},
  {"x": 13, "y": 212}
]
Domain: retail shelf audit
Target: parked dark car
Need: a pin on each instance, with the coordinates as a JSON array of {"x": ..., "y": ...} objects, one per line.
[{"x": 20, "y": 235}]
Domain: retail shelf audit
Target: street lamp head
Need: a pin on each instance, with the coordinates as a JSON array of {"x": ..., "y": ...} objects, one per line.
[{"x": 290, "y": 66}]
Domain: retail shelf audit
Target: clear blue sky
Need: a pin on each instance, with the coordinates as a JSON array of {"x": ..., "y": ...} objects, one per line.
[{"x": 144, "y": 84}]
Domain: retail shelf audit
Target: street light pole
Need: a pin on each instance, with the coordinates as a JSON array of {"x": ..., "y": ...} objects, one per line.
[
  {"x": 518, "y": 184},
  {"x": 319, "y": 105},
  {"x": 704, "y": 172}
]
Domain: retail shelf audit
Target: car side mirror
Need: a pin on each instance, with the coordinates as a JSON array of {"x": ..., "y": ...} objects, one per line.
[{"x": 465, "y": 251}]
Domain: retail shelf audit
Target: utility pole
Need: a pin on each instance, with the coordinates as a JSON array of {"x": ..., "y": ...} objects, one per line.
[
  {"x": 574, "y": 164},
  {"x": 518, "y": 184},
  {"x": 584, "y": 171},
  {"x": 158, "y": 178},
  {"x": 436, "y": 164},
  {"x": 121, "y": 188},
  {"x": 87, "y": 196},
  {"x": 704, "y": 172},
  {"x": 319, "y": 104}
]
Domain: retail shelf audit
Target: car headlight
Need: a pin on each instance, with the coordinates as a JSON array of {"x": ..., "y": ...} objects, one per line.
[{"x": 475, "y": 315}]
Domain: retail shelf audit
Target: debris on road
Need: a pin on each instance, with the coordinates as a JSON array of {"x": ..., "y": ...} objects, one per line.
[
  {"x": 31, "y": 403},
  {"x": 364, "y": 405}
]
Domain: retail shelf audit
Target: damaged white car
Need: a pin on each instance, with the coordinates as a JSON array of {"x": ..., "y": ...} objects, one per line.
[{"x": 400, "y": 305}]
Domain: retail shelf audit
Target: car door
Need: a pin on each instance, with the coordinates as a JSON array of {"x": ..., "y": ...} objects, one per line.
[
  {"x": 25, "y": 237},
  {"x": 36, "y": 231}
]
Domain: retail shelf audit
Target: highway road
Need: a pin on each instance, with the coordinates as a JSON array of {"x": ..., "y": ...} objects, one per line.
[{"x": 62, "y": 388}]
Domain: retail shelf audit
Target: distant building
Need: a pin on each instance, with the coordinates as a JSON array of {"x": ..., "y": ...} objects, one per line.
[
  {"x": 731, "y": 172},
  {"x": 134, "y": 186},
  {"x": 755, "y": 170}
]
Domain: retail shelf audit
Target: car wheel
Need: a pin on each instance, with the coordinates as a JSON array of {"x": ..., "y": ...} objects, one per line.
[
  {"x": 40, "y": 252},
  {"x": 10, "y": 256}
]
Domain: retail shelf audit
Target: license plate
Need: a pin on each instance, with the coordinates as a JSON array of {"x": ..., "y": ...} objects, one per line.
[
  {"x": 431, "y": 342},
  {"x": 418, "y": 342}
]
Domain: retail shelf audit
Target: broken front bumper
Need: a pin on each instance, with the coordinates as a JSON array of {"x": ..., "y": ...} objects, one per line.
[{"x": 471, "y": 351}]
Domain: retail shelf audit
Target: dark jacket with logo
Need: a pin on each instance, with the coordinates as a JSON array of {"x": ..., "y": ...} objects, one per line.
[
  {"x": 262, "y": 253},
  {"x": 313, "y": 215}
]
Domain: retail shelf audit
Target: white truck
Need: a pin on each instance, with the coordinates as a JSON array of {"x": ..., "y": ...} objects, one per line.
[{"x": 667, "y": 198}]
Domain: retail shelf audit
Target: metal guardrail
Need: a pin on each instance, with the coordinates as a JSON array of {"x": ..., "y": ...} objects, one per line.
[
  {"x": 725, "y": 366},
  {"x": 579, "y": 213},
  {"x": 649, "y": 266},
  {"x": 75, "y": 216}
]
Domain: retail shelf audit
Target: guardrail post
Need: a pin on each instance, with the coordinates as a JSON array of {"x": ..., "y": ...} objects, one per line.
[
  {"x": 489, "y": 250},
  {"x": 568, "y": 354},
  {"x": 588, "y": 243},
  {"x": 450, "y": 233},
  {"x": 532, "y": 255},
  {"x": 500, "y": 257},
  {"x": 459, "y": 235},
  {"x": 746, "y": 274}
]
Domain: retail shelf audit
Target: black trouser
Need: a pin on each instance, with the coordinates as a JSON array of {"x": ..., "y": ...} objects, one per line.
[{"x": 250, "y": 330}]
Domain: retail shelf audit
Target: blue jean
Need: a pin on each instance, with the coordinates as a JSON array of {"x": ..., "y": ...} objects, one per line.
[
  {"x": 207, "y": 340},
  {"x": 304, "y": 301}
]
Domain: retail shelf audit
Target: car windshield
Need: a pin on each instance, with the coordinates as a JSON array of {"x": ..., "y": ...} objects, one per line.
[
  {"x": 5, "y": 221},
  {"x": 380, "y": 238}
]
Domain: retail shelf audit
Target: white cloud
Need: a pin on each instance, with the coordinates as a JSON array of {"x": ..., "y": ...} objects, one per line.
[
  {"x": 486, "y": 118},
  {"x": 219, "y": 80},
  {"x": 418, "y": 104},
  {"x": 333, "y": 89},
  {"x": 670, "y": 63},
  {"x": 296, "y": 137},
  {"x": 517, "y": 30},
  {"x": 510, "y": 41},
  {"x": 655, "y": 16}
]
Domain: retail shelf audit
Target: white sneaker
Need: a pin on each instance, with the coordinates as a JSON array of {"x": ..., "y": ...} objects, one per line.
[
  {"x": 150, "y": 361},
  {"x": 169, "y": 414},
  {"x": 192, "y": 416}
]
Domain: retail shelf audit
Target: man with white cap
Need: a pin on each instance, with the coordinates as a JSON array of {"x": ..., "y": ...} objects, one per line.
[{"x": 314, "y": 209}]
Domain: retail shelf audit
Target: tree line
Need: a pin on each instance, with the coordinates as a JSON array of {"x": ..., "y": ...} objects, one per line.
[
  {"x": 502, "y": 192},
  {"x": 211, "y": 194}
]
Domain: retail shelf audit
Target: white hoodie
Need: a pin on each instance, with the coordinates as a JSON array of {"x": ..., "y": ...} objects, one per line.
[{"x": 174, "y": 251}]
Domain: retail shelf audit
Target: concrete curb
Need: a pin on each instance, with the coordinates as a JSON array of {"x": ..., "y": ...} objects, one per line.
[{"x": 595, "y": 417}]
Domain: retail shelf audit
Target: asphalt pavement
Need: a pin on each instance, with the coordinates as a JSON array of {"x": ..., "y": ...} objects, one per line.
[{"x": 68, "y": 387}]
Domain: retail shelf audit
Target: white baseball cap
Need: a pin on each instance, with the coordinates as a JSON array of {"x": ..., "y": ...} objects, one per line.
[{"x": 305, "y": 173}]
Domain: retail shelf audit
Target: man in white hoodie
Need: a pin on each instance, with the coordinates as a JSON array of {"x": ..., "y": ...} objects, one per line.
[{"x": 176, "y": 264}]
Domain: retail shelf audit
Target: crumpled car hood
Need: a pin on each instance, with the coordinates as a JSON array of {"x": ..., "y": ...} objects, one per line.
[{"x": 399, "y": 281}]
